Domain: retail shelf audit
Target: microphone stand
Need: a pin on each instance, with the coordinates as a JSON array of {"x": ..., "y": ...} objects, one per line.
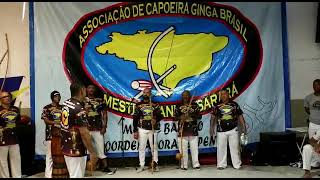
[{"x": 122, "y": 136}]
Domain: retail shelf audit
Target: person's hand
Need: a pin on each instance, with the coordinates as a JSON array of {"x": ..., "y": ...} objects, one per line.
[
  {"x": 103, "y": 130},
  {"x": 135, "y": 135},
  {"x": 153, "y": 122},
  {"x": 317, "y": 148},
  {"x": 212, "y": 132}
]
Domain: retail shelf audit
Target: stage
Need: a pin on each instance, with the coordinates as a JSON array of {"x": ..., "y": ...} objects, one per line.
[{"x": 208, "y": 171}]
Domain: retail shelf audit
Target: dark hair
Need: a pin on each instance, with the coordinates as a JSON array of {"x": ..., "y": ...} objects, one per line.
[
  {"x": 186, "y": 91},
  {"x": 54, "y": 93},
  {"x": 75, "y": 88},
  {"x": 316, "y": 81}
]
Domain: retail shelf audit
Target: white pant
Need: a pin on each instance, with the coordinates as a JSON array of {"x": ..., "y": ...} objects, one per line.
[
  {"x": 98, "y": 143},
  {"x": 15, "y": 161},
  {"x": 49, "y": 161},
  {"x": 222, "y": 139},
  {"x": 76, "y": 166},
  {"x": 193, "y": 140},
  {"x": 313, "y": 128},
  {"x": 144, "y": 135}
]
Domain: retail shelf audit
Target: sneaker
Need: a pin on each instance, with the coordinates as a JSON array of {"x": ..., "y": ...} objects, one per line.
[
  {"x": 140, "y": 169},
  {"x": 107, "y": 170},
  {"x": 197, "y": 168},
  {"x": 220, "y": 168},
  {"x": 239, "y": 168},
  {"x": 183, "y": 169}
]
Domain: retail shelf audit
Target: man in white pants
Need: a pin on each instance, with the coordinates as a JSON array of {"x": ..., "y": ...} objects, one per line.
[
  {"x": 226, "y": 116},
  {"x": 187, "y": 114},
  {"x": 9, "y": 117},
  {"x": 311, "y": 154},
  {"x": 51, "y": 114},
  {"x": 147, "y": 114},
  {"x": 312, "y": 107},
  {"x": 75, "y": 134},
  {"x": 97, "y": 121}
]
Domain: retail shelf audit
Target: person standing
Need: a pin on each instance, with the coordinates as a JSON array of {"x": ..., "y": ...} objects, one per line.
[
  {"x": 97, "y": 124},
  {"x": 187, "y": 113},
  {"x": 51, "y": 115},
  {"x": 312, "y": 107},
  {"x": 227, "y": 115},
  {"x": 9, "y": 119},
  {"x": 147, "y": 118},
  {"x": 76, "y": 137}
]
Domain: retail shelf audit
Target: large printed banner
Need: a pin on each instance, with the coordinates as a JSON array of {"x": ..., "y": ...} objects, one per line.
[{"x": 170, "y": 47}]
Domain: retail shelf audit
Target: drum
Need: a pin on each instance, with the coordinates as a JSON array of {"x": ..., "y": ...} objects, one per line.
[{"x": 59, "y": 167}]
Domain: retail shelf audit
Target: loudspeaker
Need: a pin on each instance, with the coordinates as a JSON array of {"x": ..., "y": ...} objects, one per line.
[{"x": 277, "y": 148}]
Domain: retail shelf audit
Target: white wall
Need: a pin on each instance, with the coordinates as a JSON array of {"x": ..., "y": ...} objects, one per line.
[
  {"x": 15, "y": 22},
  {"x": 304, "y": 53}
]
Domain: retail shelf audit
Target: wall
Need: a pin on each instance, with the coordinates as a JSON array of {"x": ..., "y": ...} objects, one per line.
[
  {"x": 15, "y": 22},
  {"x": 304, "y": 55}
]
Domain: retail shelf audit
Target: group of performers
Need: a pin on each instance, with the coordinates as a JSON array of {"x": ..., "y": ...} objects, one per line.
[
  {"x": 82, "y": 121},
  {"x": 77, "y": 128}
]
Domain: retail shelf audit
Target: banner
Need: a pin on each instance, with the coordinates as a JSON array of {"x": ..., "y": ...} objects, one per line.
[{"x": 170, "y": 47}]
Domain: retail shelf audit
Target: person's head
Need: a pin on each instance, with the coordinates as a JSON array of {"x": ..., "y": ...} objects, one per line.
[
  {"x": 316, "y": 86},
  {"x": 5, "y": 98},
  {"x": 224, "y": 95},
  {"x": 78, "y": 90},
  {"x": 91, "y": 90},
  {"x": 55, "y": 97},
  {"x": 146, "y": 93},
  {"x": 186, "y": 96}
]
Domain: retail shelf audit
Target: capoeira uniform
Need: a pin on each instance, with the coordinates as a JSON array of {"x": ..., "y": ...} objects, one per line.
[
  {"x": 189, "y": 134},
  {"x": 9, "y": 142},
  {"x": 142, "y": 124},
  {"x": 227, "y": 131}
]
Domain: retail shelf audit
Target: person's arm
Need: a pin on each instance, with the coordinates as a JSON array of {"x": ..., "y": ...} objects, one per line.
[
  {"x": 104, "y": 116},
  {"x": 86, "y": 139},
  {"x": 213, "y": 122},
  {"x": 45, "y": 116},
  {"x": 136, "y": 118},
  {"x": 306, "y": 103},
  {"x": 243, "y": 124}
]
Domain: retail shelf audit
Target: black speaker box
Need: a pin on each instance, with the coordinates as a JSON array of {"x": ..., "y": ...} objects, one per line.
[{"x": 277, "y": 148}]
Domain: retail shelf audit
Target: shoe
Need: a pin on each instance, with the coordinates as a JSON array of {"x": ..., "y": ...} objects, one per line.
[
  {"x": 140, "y": 169},
  {"x": 239, "y": 168},
  {"x": 156, "y": 167},
  {"x": 197, "y": 168},
  {"x": 220, "y": 168},
  {"x": 107, "y": 170},
  {"x": 183, "y": 169}
]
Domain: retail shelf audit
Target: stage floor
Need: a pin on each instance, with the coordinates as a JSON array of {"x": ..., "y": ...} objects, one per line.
[{"x": 208, "y": 171}]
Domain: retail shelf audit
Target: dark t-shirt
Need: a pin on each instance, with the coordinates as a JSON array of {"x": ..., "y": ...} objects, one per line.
[
  {"x": 51, "y": 113},
  {"x": 95, "y": 107},
  {"x": 190, "y": 125},
  {"x": 227, "y": 115},
  {"x": 73, "y": 117},
  {"x": 9, "y": 118},
  {"x": 143, "y": 115}
]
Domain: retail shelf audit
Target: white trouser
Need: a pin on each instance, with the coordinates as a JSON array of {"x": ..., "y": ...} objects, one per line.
[
  {"x": 76, "y": 166},
  {"x": 144, "y": 135},
  {"x": 222, "y": 140},
  {"x": 193, "y": 140},
  {"x": 98, "y": 143},
  {"x": 15, "y": 161},
  {"x": 49, "y": 162},
  {"x": 313, "y": 128},
  {"x": 309, "y": 157}
]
